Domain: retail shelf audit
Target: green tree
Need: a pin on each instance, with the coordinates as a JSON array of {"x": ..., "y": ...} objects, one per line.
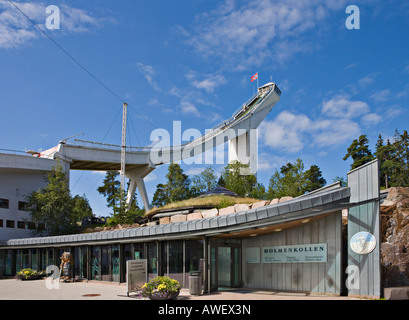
[
  {"x": 400, "y": 162},
  {"x": 343, "y": 181},
  {"x": 54, "y": 207},
  {"x": 160, "y": 197},
  {"x": 178, "y": 183},
  {"x": 235, "y": 181},
  {"x": 177, "y": 187},
  {"x": 110, "y": 190},
  {"x": 81, "y": 207},
  {"x": 289, "y": 181},
  {"x": 122, "y": 213},
  {"x": 313, "y": 179},
  {"x": 359, "y": 152},
  {"x": 386, "y": 153},
  {"x": 259, "y": 192},
  {"x": 203, "y": 182},
  {"x": 221, "y": 182}
]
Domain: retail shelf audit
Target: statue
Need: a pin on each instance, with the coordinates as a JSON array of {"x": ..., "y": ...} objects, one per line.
[{"x": 65, "y": 266}]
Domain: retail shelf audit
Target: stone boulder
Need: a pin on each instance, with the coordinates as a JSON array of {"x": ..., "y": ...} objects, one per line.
[
  {"x": 194, "y": 216},
  {"x": 177, "y": 218},
  {"x": 259, "y": 204},
  {"x": 395, "y": 238},
  {"x": 210, "y": 213},
  {"x": 241, "y": 207},
  {"x": 227, "y": 210},
  {"x": 283, "y": 199}
]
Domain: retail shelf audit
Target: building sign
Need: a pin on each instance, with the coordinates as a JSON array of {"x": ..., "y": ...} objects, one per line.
[
  {"x": 362, "y": 243},
  {"x": 136, "y": 274},
  {"x": 253, "y": 255},
  {"x": 301, "y": 253}
]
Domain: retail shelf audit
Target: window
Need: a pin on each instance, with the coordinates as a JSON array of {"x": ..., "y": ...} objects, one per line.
[
  {"x": 95, "y": 263},
  {"x": 21, "y": 224},
  {"x": 175, "y": 260},
  {"x": 23, "y": 206},
  {"x": 1, "y": 223},
  {"x": 4, "y": 203},
  {"x": 10, "y": 224}
]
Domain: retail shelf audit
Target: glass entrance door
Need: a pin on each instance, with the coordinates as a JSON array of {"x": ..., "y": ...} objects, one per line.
[{"x": 225, "y": 264}]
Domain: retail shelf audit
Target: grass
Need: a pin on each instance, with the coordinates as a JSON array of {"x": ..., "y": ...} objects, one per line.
[{"x": 215, "y": 201}]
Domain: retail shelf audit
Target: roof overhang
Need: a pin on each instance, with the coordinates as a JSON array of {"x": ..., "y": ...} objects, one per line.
[{"x": 265, "y": 218}]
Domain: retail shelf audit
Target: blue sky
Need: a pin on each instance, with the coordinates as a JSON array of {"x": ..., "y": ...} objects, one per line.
[{"x": 191, "y": 61}]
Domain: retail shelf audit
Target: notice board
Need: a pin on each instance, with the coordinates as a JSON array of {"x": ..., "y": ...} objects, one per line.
[{"x": 136, "y": 274}]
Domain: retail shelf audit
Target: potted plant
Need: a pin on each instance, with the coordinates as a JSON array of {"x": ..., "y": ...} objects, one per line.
[
  {"x": 161, "y": 288},
  {"x": 29, "y": 274}
]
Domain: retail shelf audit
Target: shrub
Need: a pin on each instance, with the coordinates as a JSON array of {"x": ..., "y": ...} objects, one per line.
[
  {"x": 164, "y": 286},
  {"x": 29, "y": 274}
]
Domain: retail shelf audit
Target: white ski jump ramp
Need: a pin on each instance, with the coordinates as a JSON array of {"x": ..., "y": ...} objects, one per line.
[{"x": 140, "y": 161}]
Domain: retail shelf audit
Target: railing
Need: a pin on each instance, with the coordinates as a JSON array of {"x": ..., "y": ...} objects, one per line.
[
  {"x": 10, "y": 151},
  {"x": 211, "y": 133}
]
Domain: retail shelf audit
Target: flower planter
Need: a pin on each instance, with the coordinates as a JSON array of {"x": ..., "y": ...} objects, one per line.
[
  {"x": 162, "y": 296},
  {"x": 161, "y": 288},
  {"x": 29, "y": 274}
]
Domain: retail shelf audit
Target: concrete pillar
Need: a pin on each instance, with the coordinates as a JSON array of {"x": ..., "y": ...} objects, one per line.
[
  {"x": 135, "y": 177},
  {"x": 244, "y": 148}
]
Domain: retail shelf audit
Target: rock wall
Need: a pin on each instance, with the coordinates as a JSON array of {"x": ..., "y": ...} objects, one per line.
[{"x": 395, "y": 238}]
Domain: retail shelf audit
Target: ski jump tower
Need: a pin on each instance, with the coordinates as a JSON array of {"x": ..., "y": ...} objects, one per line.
[{"x": 136, "y": 163}]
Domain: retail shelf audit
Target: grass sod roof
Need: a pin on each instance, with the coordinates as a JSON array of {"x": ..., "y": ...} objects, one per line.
[{"x": 218, "y": 202}]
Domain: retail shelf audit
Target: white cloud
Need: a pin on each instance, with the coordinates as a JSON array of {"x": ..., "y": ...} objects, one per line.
[
  {"x": 208, "y": 83},
  {"x": 148, "y": 72},
  {"x": 16, "y": 30},
  {"x": 338, "y": 123},
  {"x": 252, "y": 31},
  {"x": 332, "y": 132},
  {"x": 285, "y": 132},
  {"x": 189, "y": 108},
  {"x": 367, "y": 80},
  {"x": 371, "y": 119},
  {"x": 342, "y": 106},
  {"x": 381, "y": 96}
]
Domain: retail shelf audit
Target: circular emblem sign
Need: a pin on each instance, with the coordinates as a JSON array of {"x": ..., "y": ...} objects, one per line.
[{"x": 362, "y": 243}]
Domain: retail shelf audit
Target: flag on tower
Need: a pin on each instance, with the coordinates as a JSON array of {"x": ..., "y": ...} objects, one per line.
[{"x": 254, "y": 77}]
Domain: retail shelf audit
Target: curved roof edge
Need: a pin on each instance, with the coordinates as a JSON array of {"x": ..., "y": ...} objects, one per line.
[{"x": 309, "y": 205}]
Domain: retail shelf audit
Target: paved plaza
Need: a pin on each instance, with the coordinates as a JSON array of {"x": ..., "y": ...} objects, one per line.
[{"x": 12, "y": 289}]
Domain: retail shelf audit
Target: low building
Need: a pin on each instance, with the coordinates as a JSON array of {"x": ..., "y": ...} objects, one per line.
[
  {"x": 20, "y": 175},
  {"x": 296, "y": 245}
]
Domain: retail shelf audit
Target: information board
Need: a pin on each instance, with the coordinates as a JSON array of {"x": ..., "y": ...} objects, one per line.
[
  {"x": 253, "y": 255},
  {"x": 302, "y": 253},
  {"x": 136, "y": 274}
]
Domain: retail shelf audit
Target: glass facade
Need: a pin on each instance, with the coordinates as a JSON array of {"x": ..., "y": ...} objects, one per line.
[
  {"x": 95, "y": 263},
  {"x": 175, "y": 259},
  {"x": 115, "y": 263},
  {"x": 152, "y": 256},
  {"x": 105, "y": 265}
]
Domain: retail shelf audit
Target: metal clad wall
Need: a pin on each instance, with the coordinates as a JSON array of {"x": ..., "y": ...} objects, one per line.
[
  {"x": 364, "y": 186},
  {"x": 308, "y": 277}
]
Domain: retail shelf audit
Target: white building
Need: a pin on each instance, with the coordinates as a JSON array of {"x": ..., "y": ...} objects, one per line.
[{"x": 20, "y": 175}]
